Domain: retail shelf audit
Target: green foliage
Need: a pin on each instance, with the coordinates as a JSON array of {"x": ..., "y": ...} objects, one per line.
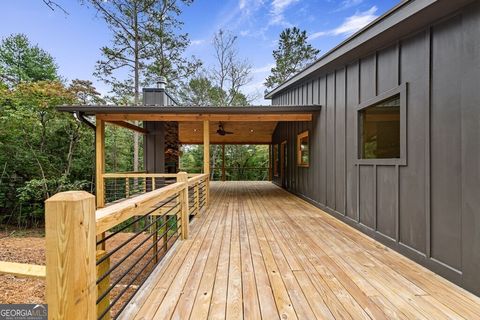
[
  {"x": 292, "y": 55},
  {"x": 200, "y": 91},
  {"x": 20, "y": 61},
  {"x": 242, "y": 162}
]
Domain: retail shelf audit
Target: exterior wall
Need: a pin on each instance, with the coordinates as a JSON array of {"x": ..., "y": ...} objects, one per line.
[{"x": 429, "y": 207}]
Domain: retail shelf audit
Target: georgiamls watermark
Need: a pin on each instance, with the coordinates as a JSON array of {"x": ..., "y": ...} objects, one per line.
[{"x": 23, "y": 312}]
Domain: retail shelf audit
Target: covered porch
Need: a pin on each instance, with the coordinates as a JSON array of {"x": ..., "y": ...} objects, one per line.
[{"x": 259, "y": 252}]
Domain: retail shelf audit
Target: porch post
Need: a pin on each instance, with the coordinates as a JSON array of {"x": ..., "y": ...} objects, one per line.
[
  {"x": 206, "y": 158},
  {"x": 223, "y": 162},
  {"x": 100, "y": 162},
  {"x": 206, "y": 147}
]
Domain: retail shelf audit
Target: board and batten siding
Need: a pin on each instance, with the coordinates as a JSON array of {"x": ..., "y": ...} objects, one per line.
[{"x": 429, "y": 207}]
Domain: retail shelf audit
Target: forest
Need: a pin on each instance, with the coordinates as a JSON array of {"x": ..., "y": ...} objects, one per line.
[{"x": 43, "y": 151}]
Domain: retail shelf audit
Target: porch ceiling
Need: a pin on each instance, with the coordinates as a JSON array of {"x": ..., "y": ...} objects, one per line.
[{"x": 253, "y": 132}]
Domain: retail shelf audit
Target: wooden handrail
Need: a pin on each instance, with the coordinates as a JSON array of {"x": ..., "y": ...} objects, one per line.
[
  {"x": 109, "y": 217},
  {"x": 139, "y": 175},
  {"x": 23, "y": 269},
  {"x": 197, "y": 178}
]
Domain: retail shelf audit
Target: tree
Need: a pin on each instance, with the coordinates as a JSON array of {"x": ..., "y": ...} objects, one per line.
[
  {"x": 168, "y": 45},
  {"x": 293, "y": 54},
  {"x": 145, "y": 43},
  {"x": 200, "y": 91},
  {"x": 231, "y": 72},
  {"x": 130, "y": 22},
  {"x": 20, "y": 61},
  {"x": 85, "y": 92}
]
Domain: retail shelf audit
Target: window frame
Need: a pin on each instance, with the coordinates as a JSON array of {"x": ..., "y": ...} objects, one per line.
[
  {"x": 400, "y": 90},
  {"x": 300, "y": 136}
]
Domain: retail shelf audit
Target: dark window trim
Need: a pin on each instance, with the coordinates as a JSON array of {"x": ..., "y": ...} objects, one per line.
[{"x": 402, "y": 161}]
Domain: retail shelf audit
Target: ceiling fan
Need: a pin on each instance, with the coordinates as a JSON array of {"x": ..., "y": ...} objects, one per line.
[{"x": 221, "y": 131}]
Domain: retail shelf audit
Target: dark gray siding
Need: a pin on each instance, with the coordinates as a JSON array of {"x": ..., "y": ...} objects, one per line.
[{"x": 427, "y": 208}]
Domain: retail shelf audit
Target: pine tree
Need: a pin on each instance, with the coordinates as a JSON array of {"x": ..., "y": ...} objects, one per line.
[
  {"x": 20, "y": 61},
  {"x": 293, "y": 55}
]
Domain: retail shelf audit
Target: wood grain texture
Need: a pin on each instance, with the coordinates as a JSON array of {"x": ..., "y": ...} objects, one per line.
[
  {"x": 249, "y": 132},
  {"x": 184, "y": 206},
  {"x": 109, "y": 217},
  {"x": 206, "y": 147},
  {"x": 260, "y": 252},
  {"x": 70, "y": 255},
  {"x": 205, "y": 117},
  {"x": 129, "y": 126},
  {"x": 22, "y": 269},
  {"x": 100, "y": 162}
]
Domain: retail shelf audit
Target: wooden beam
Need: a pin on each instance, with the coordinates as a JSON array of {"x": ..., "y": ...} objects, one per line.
[
  {"x": 185, "y": 207},
  {"x": 22, "y": 269},
  {"x": 130, "y": 126},
  {"x": 223, "y": 162},
  {"x": 206, "y": 147},
  {"x": 70, "y": 255},
  {"x": 204, "y": 117},
  {"x": 100, "y": 162},
  {"x": 103, "y": 268}
]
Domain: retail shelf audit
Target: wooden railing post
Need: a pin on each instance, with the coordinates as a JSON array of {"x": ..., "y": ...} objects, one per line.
[
  {"x": 127, "y": 187},
  {"x": 102, "y": 268},
  {"x": 207, "y": 190},
  {"x": 183, "y": 177},
  {"x": 71, "y": 255},
  {"x": 197, "y": 197}
]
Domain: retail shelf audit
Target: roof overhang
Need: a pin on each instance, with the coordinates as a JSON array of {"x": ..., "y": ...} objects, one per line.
[
  {"x": 401, "y": 21},
  {"x": 189, "y": 113}
]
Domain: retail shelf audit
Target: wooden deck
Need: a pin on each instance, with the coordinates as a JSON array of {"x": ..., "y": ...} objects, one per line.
[{"x": 260, "y": 252}]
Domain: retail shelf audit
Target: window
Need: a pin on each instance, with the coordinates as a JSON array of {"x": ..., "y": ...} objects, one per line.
[
  {"x": 379, "y": 126},
  {"x": 303, "y": 152},
  {"x": 275, "y": 160}
]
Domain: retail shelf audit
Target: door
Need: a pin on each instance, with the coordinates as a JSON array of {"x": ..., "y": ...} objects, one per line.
[{"x": 283, "y": 163}]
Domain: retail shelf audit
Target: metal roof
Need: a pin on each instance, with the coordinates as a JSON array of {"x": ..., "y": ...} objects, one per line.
[
  {"x": 401, "y": 21},
  {"x": 156, "y": 109}
]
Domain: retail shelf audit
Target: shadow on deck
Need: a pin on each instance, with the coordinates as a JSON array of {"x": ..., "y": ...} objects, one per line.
[{"x": 261, "y": 252}]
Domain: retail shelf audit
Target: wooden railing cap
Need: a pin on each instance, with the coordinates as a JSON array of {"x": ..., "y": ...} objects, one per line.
[{"x": 70, "y": 196}]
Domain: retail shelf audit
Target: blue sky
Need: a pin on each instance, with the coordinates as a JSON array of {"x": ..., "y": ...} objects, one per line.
[{"x": 74, "y": 40}]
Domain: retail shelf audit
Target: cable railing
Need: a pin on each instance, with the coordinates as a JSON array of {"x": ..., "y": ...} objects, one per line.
[
  {"x": 120, "y": 186},
  {"x": 98, "y": 260},
  {"x": 235, "y": 173}
]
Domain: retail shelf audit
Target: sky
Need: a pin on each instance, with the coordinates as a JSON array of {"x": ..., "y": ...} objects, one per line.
[{"x": 74, "y": 40}]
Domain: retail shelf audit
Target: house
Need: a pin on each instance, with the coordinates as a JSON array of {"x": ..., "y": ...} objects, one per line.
[
  {"x": 380, "y": 133},
  {"x": 394, "y": 150}
]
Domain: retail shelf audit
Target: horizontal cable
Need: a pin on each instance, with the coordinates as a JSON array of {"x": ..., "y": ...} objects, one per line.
[
  {"x": 134, "y": 221},
  {"x": 107, "y": 291},
  {"x": 133, "y": 237}
]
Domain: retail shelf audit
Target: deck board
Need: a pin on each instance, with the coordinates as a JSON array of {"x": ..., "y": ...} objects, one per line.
[{"x": 259, "y": 252}]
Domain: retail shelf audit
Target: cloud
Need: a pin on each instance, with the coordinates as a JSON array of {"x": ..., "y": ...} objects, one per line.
[
  {"x": 350, "y": 25},
  {"x": 242, "y": 3},
  {"x": 263, "y": 69},
  {"x": 346, "y": 4},
  {"x": 277, "y": 10},
  {"x": 198, "y": 42}
]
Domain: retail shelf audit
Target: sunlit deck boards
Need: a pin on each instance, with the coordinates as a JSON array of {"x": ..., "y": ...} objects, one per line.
[{"x": 260, "y": 252}]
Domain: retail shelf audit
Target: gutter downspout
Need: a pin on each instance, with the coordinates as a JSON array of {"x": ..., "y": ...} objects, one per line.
[{"x": 80, "y": 116}]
